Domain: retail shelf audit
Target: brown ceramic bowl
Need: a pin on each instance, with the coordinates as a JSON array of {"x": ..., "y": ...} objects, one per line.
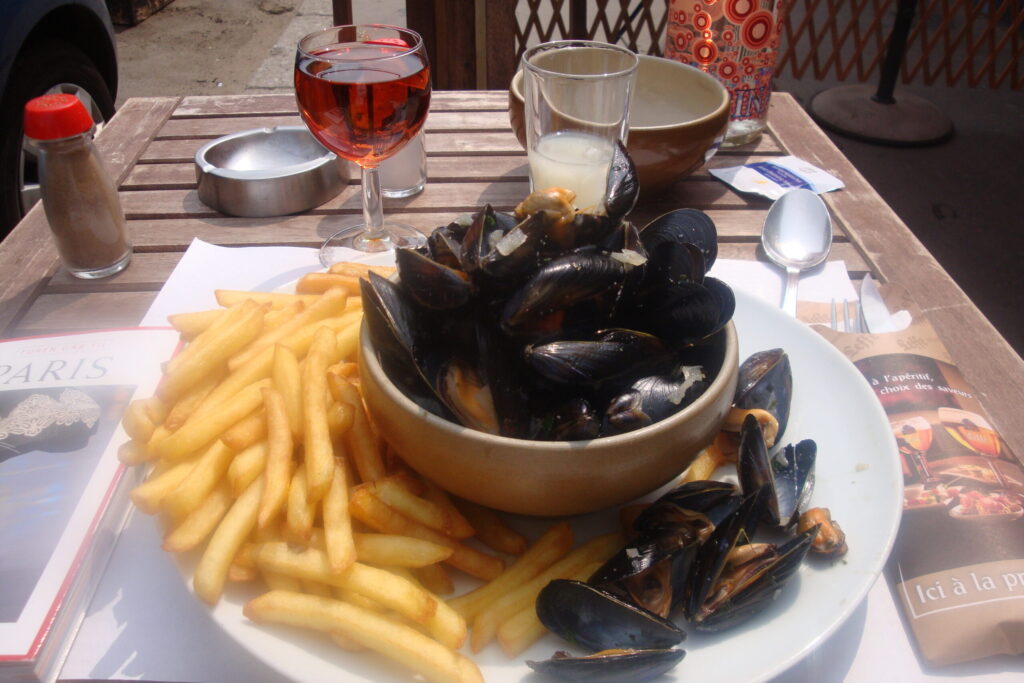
[
  {"x": 678, "y": 116},
  {"x": 547, "y": 477}
]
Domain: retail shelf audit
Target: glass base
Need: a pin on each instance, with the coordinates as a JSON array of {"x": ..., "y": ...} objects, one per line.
[
  {"x": 743, "y": 132},
  {"x": 355, "y": 237},
  {"x": 106, "y": 271}
]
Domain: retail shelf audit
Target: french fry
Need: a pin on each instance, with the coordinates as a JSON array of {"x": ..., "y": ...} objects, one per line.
[
  {"x": 300, "y": 512},
  {"x": 134, "y": 452},
  {"x": 319, "y": 452},
  {"x": 287, "y": 380},
  {"x": 549, "y": 548},
  {"x": 277, "y": 581},
  {"x": 381, "y": 586},
  {"x": 400, "y": 551},
  {"x": 209, "y": 357},
  {"x": 201, "y": 522},
  {"x": 212, "y": 569},
  {"x": 190, "y": 401},
  {"x": 401, "y": 643},
  {"x": 487, "y": 621},
  {"x": 360, "y": 270},
  {"x": 361, "y": 442},
  {"x": 346, "y": 643},
  {"x": 191, "y": 325},
  {"x": 392, "y": 492},
  {"x": 369, "y": 509},
  {"x": 435, "y": 578},
  {"x": 213, "y": 334},
  {"x": 233, "y": 297},
  {"x": 156, "y": 409},
  {"x": 523, "y": 629},
  {"x": 705, "y": 464},
  {"x": 316, "y": 588},
  {"x": 348, "y": 341},
  {"x": 279, "y": 316},
  {"x": 491, "y": 530},
  {"x": 329, "y": 304},
  {"x": 340, "y": 417},
  {"x": 362, "y": 445},
  {"x": 341, "y": 549},
  {"x": 136, "y": 421},
  {"x": 201, "y": 430},
  {"x": 246, "y": 466},
  {"x": 148, "y": 494},
  {"x": 250, "y": 430},
  {"x": 318, "y": 283},
  {"x": 439, "y": 497},
  {"x": 278, "y": 471},
  {"x": 201, "y": 480}
]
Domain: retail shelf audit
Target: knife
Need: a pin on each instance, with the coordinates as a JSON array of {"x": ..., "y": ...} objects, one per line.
[{"x": 877, "y": 318}]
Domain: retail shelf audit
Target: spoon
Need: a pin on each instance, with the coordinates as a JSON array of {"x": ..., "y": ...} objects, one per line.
[{"x": 797, "y": 235}]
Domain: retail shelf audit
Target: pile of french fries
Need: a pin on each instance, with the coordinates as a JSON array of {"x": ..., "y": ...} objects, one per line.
[{"x": 265, "y": 463}]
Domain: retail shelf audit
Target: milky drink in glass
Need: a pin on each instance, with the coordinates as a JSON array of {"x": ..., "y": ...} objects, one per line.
[{"x": 576, "y": 108}]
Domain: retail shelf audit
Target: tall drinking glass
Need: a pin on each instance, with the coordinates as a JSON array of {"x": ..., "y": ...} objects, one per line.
[
  {"x": 363, "y": 92},
  {"x": 577, "y": 107}
]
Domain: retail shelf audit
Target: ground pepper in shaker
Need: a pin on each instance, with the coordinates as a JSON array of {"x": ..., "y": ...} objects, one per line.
[{"x": 78, "y": 193}]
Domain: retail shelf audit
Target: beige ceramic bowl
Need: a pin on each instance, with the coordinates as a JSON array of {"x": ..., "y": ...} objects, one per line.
[
  {"x": 678, "y": 116},
  {"x": 546, "y": 477}
]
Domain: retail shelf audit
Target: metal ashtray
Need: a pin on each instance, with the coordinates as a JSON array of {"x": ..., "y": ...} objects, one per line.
[{"x": 268, "y": 172}]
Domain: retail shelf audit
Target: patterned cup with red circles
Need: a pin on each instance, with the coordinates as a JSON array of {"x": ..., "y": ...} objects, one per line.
[{"x": 736, "y": 41}]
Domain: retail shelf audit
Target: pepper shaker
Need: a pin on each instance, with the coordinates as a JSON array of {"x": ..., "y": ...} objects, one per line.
[{"x": 79, "y": 196}]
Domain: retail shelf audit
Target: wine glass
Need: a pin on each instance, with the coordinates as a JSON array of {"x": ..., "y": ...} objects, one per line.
[{"x": 363, "y": 91}]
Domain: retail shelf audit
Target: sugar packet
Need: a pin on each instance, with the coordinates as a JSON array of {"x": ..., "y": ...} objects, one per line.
[{"x": 774, "y": 178}]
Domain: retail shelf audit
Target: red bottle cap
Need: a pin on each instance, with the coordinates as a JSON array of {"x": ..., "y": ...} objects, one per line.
[{"x": 52, "y": 117}]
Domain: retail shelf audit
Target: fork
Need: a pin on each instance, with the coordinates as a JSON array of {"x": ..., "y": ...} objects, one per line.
[{"x": 850, "y": 323}]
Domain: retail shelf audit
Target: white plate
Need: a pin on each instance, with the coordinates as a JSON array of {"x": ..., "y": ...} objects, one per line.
[{"x": 858, "y": 478}]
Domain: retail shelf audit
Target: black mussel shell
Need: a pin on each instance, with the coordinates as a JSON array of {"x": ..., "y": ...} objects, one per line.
[
  {"x": 560, "y": 284},
  {"x": 444, "y": 247},
  {"x": 590, "y": 361},
  {"x": 713, "y": 500},
  {"x": 754, "y": 468},
  {"x": 623, "y": 186},
  {"x": 684, "y": 226},
  {"x": 655, "y": 397},
  {"x": 772, "y": 569},
  {"x": 611, "y": 666},
  {"x": 575, "y": 420},
  {"x": 793, "y": 468},
  {"x": 766, "y": 382},
  {"x": 478, "y": 240},
  {"x": 431, "y": 284},
  {"x": 597, "y": 620}
]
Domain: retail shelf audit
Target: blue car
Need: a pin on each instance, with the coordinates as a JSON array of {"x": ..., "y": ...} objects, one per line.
[{"x": 48, "y": 46}]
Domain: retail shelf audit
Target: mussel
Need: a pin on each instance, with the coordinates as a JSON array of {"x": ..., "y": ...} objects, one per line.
[
  {"x": 554, "y": 322},
  {"x": 596, "y": 620},
  {"x": 610, "y": 666},
  {"x": 787, "y": 476},
  {"x": 766, "y": 381},
  {"x": 733, "y": 578}
]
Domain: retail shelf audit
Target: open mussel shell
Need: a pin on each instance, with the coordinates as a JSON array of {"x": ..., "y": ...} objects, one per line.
[
  {"x": 732, "y": 578},
  {"x": 596, "y": 620},
  {"x": 766, "y": 381},
  {"x": 611, "y": 666},
  {"x": 654, "y": 397},
  {"x": 763, "y": 578},
  {"x": 788, "y": 475}
]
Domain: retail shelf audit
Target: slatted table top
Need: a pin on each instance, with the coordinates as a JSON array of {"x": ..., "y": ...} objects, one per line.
[{"x": 474, "y": 159}]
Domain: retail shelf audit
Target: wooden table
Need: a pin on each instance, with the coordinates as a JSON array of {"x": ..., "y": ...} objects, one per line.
[{"x": 473, "y": 159}]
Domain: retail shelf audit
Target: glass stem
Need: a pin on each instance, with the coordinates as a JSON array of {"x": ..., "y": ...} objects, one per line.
[{"x": 373, "y": 205}]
